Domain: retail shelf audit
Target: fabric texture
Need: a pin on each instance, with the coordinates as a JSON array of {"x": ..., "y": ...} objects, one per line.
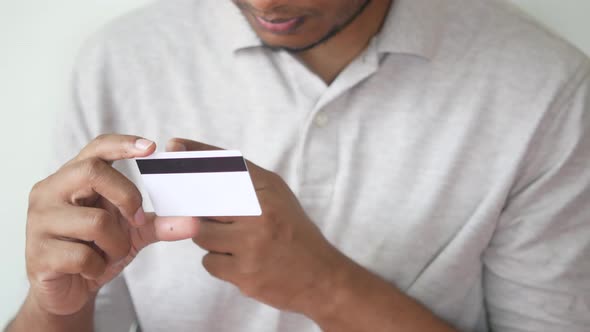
[{"x": 451, "y": 158}]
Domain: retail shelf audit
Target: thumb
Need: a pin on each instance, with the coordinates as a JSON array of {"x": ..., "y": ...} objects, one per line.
[{"x": 167, "y": 229}]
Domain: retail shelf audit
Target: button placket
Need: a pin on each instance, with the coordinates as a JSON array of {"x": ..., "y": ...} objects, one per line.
[
  {"x": 320, "y": 156},
  {"x": 321, "y": 120},
  {"x": 318, "y": 147}
]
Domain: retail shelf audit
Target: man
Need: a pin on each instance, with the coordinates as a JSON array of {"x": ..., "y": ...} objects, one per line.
[{"x": 421, "y": 166}]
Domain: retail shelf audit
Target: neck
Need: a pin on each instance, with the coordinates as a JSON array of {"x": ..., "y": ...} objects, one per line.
[{"x": 329, "y": 59}]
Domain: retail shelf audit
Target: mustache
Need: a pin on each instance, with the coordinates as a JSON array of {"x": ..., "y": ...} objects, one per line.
[{"x": 279, "y": 10}]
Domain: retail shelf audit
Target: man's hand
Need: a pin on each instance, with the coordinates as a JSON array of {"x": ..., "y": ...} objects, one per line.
[
  {"x": 282, "y": 259},
  {"x": 278, "y": 258},
  {"x": 85, "y": 224}
]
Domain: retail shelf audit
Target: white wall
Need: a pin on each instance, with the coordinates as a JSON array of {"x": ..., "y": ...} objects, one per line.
[
  {"x": 38, "y": 41},
  {"x": 570, "y": 18}
]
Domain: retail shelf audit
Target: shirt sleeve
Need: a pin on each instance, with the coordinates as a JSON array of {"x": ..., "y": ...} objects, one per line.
[{"x": 537, "y": 267}]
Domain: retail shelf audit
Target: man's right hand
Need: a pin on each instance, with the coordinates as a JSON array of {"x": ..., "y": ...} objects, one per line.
[{"x": 85, "y": 224}]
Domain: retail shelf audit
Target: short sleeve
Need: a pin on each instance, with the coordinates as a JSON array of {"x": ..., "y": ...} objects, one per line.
[{"x": 537, "y": 267}]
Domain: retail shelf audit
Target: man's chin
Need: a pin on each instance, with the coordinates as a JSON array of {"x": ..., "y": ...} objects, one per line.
[
  {"x": 296, "y": 40},
  {"x": 298, "y": 47},
  {"x": 287, "y": 48},
  {"x": 286, "y": 45}
]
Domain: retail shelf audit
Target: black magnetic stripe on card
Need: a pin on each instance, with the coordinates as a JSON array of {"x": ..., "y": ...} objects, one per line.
[{"x": 192, "y": 165}]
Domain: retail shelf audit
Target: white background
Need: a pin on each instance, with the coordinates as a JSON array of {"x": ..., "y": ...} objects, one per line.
[{"x": 38, "y": 42}]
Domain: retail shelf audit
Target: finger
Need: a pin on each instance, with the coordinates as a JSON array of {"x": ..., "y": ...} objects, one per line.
[
  {"x": 225, "y": 220},
  {"x": 116, "y": 147},
  {"x": 166, "y": 229},
  {"x": 173, "y": 146},
  {"x": 89, "y": 225},
  {"x": 261, "y": 178},
  {"x": 220, "y": 266},
  {"x": 79, "y": 180},
  {"x": 72, "y": 258},
  {"x": 181, "y": 144},
  {"x": 218, "y": 237}
]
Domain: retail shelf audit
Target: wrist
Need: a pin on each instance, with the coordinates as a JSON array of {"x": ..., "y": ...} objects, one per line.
[
  {"x": 330, "y": 291},
  {"x": 351, "y": 298},
  {"x": 32, "y": 316}
]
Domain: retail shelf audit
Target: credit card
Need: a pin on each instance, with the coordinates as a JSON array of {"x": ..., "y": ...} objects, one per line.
[{"x": 199, "y": 184}]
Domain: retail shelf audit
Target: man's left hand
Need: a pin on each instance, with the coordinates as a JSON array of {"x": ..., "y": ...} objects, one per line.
[{"x": 280, "y": 258}]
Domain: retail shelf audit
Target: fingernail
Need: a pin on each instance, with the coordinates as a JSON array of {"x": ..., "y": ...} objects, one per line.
[
  {"x": 177, "y": 146},
  {"x": 143, "y": 144},
  {"x": 139, "y": 217}
]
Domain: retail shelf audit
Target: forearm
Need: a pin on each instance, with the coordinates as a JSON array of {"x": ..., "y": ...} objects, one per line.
[
  {"x": 355, "y": 299},
  {"x": 31, "y": 317}
]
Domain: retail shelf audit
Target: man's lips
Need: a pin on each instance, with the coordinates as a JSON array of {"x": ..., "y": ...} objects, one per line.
[{"x": 280, "y": 25}]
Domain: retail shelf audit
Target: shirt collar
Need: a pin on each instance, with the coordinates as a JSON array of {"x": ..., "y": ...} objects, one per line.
[{"x": 411, "y": 27}]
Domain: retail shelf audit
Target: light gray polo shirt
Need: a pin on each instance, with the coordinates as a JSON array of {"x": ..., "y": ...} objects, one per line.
[{"x": 451, "y": 158}]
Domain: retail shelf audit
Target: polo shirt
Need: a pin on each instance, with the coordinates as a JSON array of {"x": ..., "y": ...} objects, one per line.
[{"x": 451, "y": 158}]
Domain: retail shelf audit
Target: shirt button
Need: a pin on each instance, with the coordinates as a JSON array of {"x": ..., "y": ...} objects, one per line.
[{"x": 321, "y": 120}]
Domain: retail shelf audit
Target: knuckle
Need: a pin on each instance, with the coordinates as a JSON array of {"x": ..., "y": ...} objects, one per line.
[
  {"x": 273, "y": 176},
  {"x": 133, "y": 200},
  {"x": 43, "y": 245},
  {"x": 120, "y": 251},
  {"x": 35, "y": 191},
  {"x": 125, "y": 250},
  {"x": 270, "y": 214},
  {"x": 36, "y": 250},
  {"x": 33, "y": 214},
  {"x": 274, "y": 179},
  {"x": 100, "y": 139},
  {"x": 79, "y": 257},
  {"x": 128, "y": 200},
  {"x": 36, "y": 195},
  {"x": 95, "y": 165},
  {"x": 36, "y": 255},
  {"x": 33, "y": 221},
  {"x": 83, "y": 257},
  {"x": 39, "y": 220},
  {"x": 100, "y": 221},
  {"x": 91, "y": 168}
]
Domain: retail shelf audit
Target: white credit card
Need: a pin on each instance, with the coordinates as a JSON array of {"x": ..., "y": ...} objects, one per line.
[{"x": 199, "y": 184}]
